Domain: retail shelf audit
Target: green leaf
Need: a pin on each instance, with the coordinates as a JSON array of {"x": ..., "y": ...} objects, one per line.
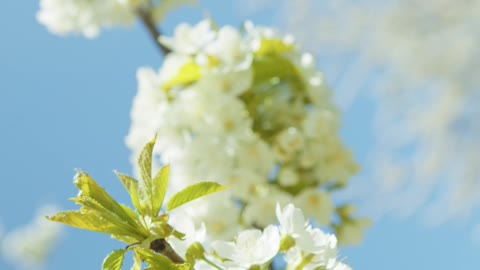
[
  {"x": 89, "y": 220},
  {"x": 90, "y": 189},
  {"x": 125, "y": 238},
  {"x": 146, "y": 186},
  {"x": 90, "y": 205},
  {"x": 193, "y": 192},
  {"x": 157, "y": 261},
  {"x": 266, "y": 68},
  {"x": 160, "y": 184},
  {"x": 114, "y": 260},
  {"x": 131, "y": 185},
  {"x": 137, "y": 262},
  {"x": 125, "y": 221},
  {"x": 273, "y": 47},
  {"x": 130, "y": 213},
  {"x": 189, "y": 73},
  {"x": 145, "y": 162}
]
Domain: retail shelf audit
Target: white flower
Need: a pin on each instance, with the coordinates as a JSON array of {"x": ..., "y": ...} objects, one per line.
[
  {"x": 288, "y": 177},
  {"x": 230, "y": 48},
  {"x": 251, "y": 247},
  {"x": 172, "y": 65},
  {"x": 290, "y": 140},
  {"x": 260, "y": 211},
  {"x": 229, "y": 82},
  {"x": 292, "y": 221},
  {"x": 293, "y": 257},
  {"x": 324, "y": 247},
  {"x": 307, "y": 239},
  {"x": 322, "y": 254},
  {"x": 181, "y": 222},
  {"x": 246, "y": 184},
  {"x": 317, "y": 204},
  {"x": 219, "y": 214},
  {"x": 188, "y": 39}
]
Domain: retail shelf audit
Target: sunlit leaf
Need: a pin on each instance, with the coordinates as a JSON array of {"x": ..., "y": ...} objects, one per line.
[
  {"x": 158, "y": 261},
  {"x": 160, "y": 184},
  {"x": 266, "y": 68},
  {"x": 145, "y": 162},
  {"x": 125, "y": 238},
  {"x": 114, "y": 260},
  {"x": 274, "y": 47},
  {"x": 89, "y": 220},
  {"x": 137, "y": 262},
  {"x": 131, "y": 185},
  {"x": 126, "y": 220},
  {"x": 133, "y": 216},
  {"x": 146, "y": 186},
  {"x": 89, "y": 188},
  {"x": 193, "y": 192},
  {"x": 189, "y": 73}
]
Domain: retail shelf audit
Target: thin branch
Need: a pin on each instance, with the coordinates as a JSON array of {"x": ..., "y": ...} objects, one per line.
[
  {"x": 163, "y": 247},
  {"x": 147, "y": 20}
]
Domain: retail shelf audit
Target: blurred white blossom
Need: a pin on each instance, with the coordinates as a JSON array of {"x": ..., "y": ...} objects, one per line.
[
  {"x": 420, "y": 59},
  {"x": 89, "y": 17},
  {"x": 29, "y": 246}
]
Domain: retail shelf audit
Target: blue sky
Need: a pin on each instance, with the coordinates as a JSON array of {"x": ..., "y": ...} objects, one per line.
[{"x": 65, "y": 104}]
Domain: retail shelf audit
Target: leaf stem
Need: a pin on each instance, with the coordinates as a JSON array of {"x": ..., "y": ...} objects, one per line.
[{"x": 147, "y": 20}]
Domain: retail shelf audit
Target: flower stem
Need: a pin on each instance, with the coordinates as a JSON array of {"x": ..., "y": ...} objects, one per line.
[
  {"x": 211, "y": 263},
  {"x": 147, "y": 20}
]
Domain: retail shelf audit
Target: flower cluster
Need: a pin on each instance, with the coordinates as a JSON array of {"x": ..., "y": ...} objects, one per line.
[
  {"x": 246, "y": 109},
  {"x": 303, "y": 247},
  {"x": 88, "y": 17}
]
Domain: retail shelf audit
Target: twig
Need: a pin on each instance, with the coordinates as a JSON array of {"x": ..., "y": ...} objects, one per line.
[
  {"x": 163, "y": 247},
  {"x": 147, "y": 20}
]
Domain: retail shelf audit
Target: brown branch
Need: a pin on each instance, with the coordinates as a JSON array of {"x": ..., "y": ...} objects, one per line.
[
  {"x": 148, "y": 22},
  {"x": 163, "y": 247}
]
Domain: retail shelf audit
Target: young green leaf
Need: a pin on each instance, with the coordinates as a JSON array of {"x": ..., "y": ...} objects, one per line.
[
  {"x": 274, "y": 47},
  {"x": 146, "y": 186},
  {"x": 89, "y": 188},
  {"x": 268, "y": 67},
  {"x": 137, "y": 262},
  {"x": 145, "y": 161},
  {"x": 160, "y": 184},
  {"x": 114, "y": 260},
  {"x": 157, "y": 261},
  {"x": 90, "y": 221},
  {"x": 131, "y": 185},
  {"x": 193, "y": 192},
  {"x": 189, "y": 73},
  {"x": 124, "y": 221}
]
